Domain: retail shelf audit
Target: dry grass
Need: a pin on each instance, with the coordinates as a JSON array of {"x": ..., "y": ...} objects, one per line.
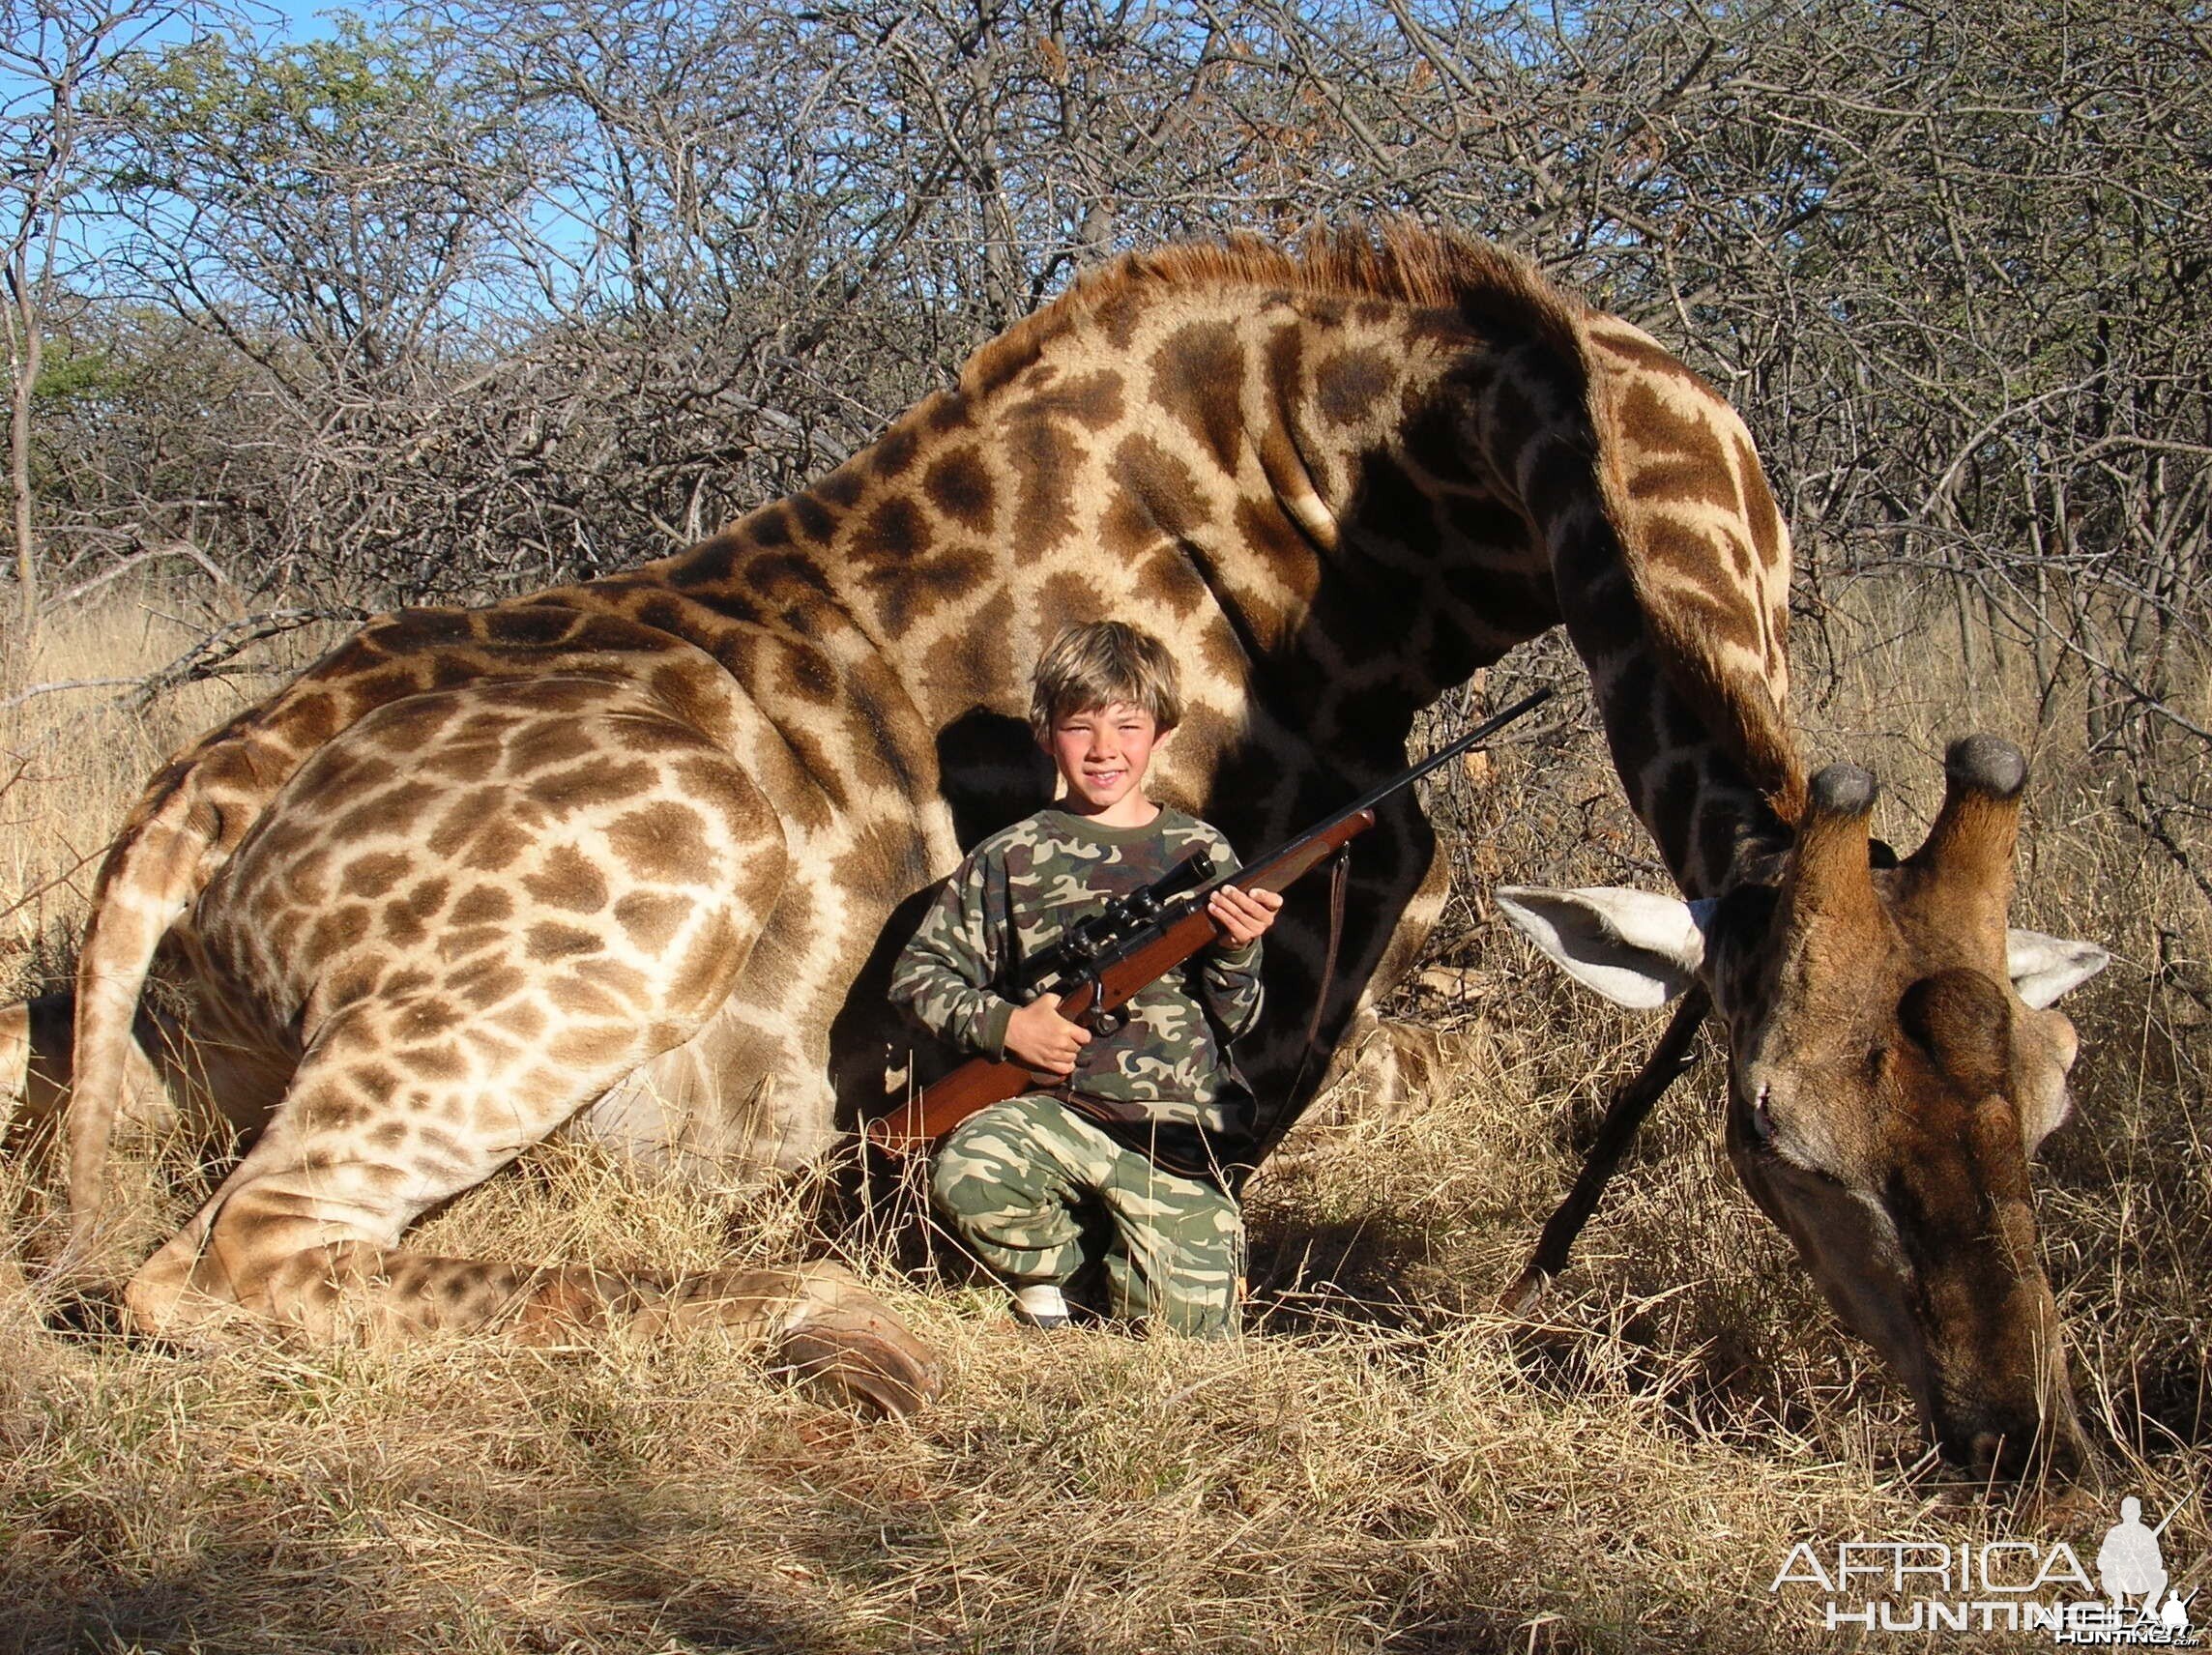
[
  {"x": 71, "y": 761},
  {"x": 1380, "y": 1466}
]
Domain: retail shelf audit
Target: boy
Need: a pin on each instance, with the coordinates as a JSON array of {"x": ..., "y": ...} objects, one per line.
[{"x": 1116, "y": 1162}]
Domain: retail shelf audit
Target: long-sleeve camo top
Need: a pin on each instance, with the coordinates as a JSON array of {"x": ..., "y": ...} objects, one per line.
[{"x": 1012, "y": 899}]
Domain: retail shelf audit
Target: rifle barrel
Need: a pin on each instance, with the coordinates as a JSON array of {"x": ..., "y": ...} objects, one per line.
[{"x": 1377, "y": 793}]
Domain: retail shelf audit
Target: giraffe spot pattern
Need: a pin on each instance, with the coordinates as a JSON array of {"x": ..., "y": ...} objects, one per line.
[
  {"x": 482, "y": 905},
  {"x": 495, "y": 845},
  {"x": 588, "y": 785},
  {"x": 814, "y": 521},
  {"x": 442, "y": 1062},
  {"x": 392, "y": 813},
  {"x": 566, "y": 879},
  {"x": 662, "y": 841},
  {"x": 1198, "y": 378},
  {"x": 1041, "y": 458},
  {"x": 895, "y": 451},
  {"x": 550, "y": 940},
  {"x": 959, "y": 486},
  {"x": 1161, "y": 491},
  {"x": 1349, "y": 385},
  {"x": 649, "y": 919},
  {"x": 841, "y": 488},
  {"x": 896, "y": 531},
  {"x": 769, "y": 528},
  {"x": 374, "y": 874},
  {"x": 461, "y": 820}
]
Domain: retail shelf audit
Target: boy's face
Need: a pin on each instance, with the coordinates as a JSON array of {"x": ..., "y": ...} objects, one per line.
[{"x": 1102, "y": 754}]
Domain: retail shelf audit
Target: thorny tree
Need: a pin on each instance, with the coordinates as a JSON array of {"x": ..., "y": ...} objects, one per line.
[
  {"x": 57, "y": 58},
  {"x": 504, "y": 292}
]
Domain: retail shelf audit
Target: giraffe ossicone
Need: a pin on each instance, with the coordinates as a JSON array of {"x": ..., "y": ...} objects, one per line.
[{"x": 633, "y": 854}]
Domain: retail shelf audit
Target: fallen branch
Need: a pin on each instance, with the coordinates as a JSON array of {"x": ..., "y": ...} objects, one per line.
[{"x": 211, "y": 656}]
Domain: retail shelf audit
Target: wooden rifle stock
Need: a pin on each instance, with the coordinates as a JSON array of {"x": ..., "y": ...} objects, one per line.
[{"x": 981, "y": 1081}]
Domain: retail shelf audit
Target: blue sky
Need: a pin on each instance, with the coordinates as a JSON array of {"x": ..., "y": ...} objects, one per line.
[
  {"x": 270, "y": 21},
  {"x": 307, "y": 20},
  {"x": 291, "y": 19}
]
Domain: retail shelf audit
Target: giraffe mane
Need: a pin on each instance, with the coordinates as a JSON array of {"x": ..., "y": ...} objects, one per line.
[{"x": 1394, "y": 260}]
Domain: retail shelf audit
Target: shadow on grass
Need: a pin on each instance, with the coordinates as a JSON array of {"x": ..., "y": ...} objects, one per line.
[
  {"x": 1308, "y": 1277},
  {"x": 229, "y": 1599},
  {"x": 615, "y": 1561},
  {"x": 1463, "y": 1630},
  {"x": 1700, "y": 1375},
  {"x": 2162, "y": 1401}
]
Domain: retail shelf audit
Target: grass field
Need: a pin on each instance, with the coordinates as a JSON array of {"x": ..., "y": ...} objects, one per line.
[{"x": 1380, "y": 1465}]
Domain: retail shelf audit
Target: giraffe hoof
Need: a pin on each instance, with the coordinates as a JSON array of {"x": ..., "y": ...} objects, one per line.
[
  {"x": 863, "y": 1358},
  {"x": 844, "y": 1338}
]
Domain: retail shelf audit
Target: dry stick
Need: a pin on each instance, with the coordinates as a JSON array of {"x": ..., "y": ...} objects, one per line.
[
  {"x": 61, "y": 879},
  {"x": 1668, "y": 1061},
  {"x": 173, "y": 549},
  {"x": 38, "y": 689}
]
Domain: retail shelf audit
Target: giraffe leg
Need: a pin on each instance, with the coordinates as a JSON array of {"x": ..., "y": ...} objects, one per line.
[
  {"x": 1393, "y": 1065},
  {"x": 304, "y": 1233},
  {"x": 1384, "y": 1068},
  {"x": 32, "y": 1064}
]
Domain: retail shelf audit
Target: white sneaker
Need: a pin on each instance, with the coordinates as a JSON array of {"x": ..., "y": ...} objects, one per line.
[{"x": 1041, "y": 1305}]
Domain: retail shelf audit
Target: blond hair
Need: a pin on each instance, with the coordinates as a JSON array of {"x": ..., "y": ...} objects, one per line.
[{"x": 1098, "y": 664}]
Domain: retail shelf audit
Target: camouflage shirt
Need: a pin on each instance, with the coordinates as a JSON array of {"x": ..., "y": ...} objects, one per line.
[{"x": 1009, "y": 901}]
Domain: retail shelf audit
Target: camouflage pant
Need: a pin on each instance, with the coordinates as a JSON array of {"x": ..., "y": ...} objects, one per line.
[{"x": 1039, "y": 1194}]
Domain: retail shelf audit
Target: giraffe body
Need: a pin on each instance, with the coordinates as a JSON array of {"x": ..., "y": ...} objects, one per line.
[{"x": 639, "y": 851}]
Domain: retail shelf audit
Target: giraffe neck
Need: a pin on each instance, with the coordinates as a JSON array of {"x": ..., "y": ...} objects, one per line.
[
  {"x": 1672, "y": 573},
  {"x": 1716, "y": 828},
  {"x": 1332, "y": 505},
  {"x": 1276, "y": 482}
]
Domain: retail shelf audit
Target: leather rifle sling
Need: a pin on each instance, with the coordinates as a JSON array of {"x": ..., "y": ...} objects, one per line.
[{"x": 1339, "y": 879}]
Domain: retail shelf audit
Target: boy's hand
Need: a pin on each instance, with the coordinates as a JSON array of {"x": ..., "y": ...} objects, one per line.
[
  {"x": 1040, "y": 1039},
  {"x": 1243, "y": 915}
]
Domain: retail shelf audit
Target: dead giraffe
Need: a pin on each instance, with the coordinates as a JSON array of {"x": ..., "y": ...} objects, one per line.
[{"x": 638, "y": 851}]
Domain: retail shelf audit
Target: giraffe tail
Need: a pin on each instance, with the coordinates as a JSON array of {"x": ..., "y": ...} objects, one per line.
[{"x": 152, "y": 874}]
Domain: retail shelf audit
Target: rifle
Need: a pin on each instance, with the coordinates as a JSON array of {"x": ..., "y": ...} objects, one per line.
[
  {"x": 1099, "y": 964},
  {"x": 1085, "y": 943}
]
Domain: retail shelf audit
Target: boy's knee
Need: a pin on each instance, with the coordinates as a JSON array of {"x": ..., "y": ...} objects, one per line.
[
  {"x": 971, "y": 1197},
  {"x": 1200, "y": 1310},
  {"x": 1027, "y": 1144},
  {"x": 996, "y": 1185},
  {"x": 978, "y": 1161},
  {"x": 1195, "y": 1303},
  {"x": 1184, "y": 1276}
]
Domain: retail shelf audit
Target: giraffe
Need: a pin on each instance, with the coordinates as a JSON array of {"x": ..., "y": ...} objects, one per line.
[{"x": 634, "y": 855}]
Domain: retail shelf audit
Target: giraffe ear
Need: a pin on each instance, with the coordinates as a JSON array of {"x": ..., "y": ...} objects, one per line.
[
  {"x": 2043, "y": 968},
  {"x": 1635, "y": 947}
]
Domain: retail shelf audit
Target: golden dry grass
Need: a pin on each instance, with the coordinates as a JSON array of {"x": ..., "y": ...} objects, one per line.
[{"x": 1380, "y": 1465}]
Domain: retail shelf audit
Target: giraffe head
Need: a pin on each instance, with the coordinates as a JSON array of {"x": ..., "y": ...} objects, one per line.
[{"x": 1894, "y": 1063}]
